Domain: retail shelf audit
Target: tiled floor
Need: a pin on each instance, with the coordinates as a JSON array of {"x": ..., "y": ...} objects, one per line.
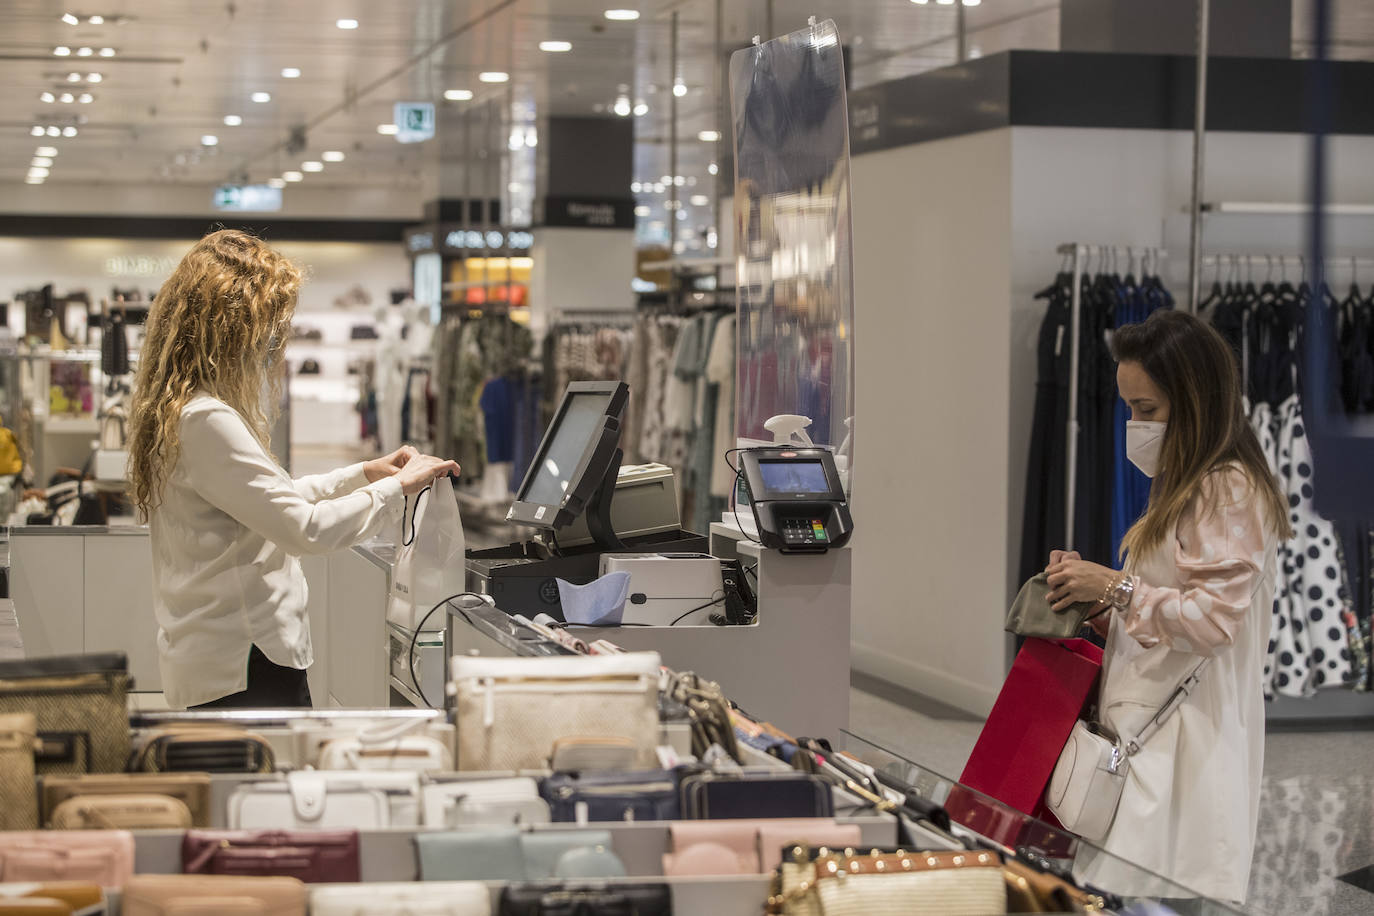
[{"x": 1316, "y": 811}]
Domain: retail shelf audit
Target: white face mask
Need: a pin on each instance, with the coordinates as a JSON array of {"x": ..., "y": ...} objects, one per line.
[{"x": 1144, "y": 441}]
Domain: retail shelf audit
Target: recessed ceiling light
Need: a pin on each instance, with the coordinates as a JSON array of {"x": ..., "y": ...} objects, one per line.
[
  {"x": 41, "y": 162},
  {"x": 641, "y": 108},
  {"x": 347, "y": 23},
  {"x": 33, "y": 179},
  {"x": 387, "y": 129},
  {"x": 261, "y": 97},
  {"x": 700, "y": 200},
  {"x": 47, "y": 97},
  {"x": 38, "y": 172},
  {"x": 622, "y": 107},
  {"x": 84, "y": 52},
  {"x": 458, "y": 95},
  {"x": 85, "y": 98},
  {"x": 69, "y": 131},
  {"x": 642, "y": 210},
  {"x": 972, "y": 2},
  {"x": 96, "y": 20},
  {"x": 276, "y": 183},
  {"x": 36, "y": 131},
  {"x": 107, "y": 52},
  {"x": 713, "y": 168},
  {"x": 290, "y": 73},
  {"x": 708, "y": 136},
  {"x": 66, "y": 98},
  {"x": 232, "y": 120},
  {"x": 209, "y": 140},
  {"x": 622, "y": 15},
  {"x": 73, "y": 77},
  {"x": 45, "y": 151},
  {"x": 555, "y": 47},
  {"x": 679, "y": 87},
  {"x": 292, "y": 176},
  {"x": 54, "y": 131},
  {"x": 920, "y": 2},
  {"x": 93, "y": 77},
  {"x": 332, "y": 155},
  {"x": 635, "y": 186},
  {"x": 61, "y": 51},
  {"x": 312, "y": 166},
  {"x": 69, "y": 19},
  {"x": 679, "y": 181},
  {"x": 493, "y": 76}
]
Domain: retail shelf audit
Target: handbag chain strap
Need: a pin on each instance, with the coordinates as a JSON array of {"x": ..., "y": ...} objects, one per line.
[{"x": 1175, "y": 700}]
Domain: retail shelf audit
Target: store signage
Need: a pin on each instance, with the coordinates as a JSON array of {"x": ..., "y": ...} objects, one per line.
[
  {"x": 247, "y": 197},
  {"x": 590, "y": 213},
  {"x": 514, "y": 239},
  {"x": 139, "y": 266},
  {"x": 414, "y": 121},
  {"x": 451, "y": 239}
]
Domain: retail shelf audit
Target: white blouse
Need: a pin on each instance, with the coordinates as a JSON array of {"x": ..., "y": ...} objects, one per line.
[{"x": 225, "y": 544}]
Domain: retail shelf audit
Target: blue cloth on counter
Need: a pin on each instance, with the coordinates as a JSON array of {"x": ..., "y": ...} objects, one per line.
[{"x": 598, "y": 603}]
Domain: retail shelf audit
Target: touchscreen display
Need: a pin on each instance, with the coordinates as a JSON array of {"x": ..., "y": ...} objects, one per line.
[
  {"x": 794, "y": 477},
  {"x": 582, "y": 420}
]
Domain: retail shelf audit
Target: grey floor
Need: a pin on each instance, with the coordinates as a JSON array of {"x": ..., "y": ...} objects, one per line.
[{"x": 1316, "y": 811}]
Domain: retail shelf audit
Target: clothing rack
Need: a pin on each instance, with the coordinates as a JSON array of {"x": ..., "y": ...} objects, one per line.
[{"x": 1080, "y": 252}]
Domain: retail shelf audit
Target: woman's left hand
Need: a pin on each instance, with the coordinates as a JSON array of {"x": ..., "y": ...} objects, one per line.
[
  {"x": 387, "y": 465},
  {"x": 1072, "y": 581}
]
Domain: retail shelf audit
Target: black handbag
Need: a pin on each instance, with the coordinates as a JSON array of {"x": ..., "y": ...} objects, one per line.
[
  {"x": 548, "y": 899},
  {"x": 650, "y": 795},
  {"x": 755, "y": 795}
]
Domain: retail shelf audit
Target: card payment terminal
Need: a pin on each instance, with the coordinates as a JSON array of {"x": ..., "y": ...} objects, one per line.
[{"x": 798, "y": 501}]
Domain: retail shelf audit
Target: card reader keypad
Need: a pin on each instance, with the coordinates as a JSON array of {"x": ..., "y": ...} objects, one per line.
[{"x": 804, "y": 532}]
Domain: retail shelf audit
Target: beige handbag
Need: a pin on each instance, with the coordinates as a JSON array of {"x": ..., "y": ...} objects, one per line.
[
  {"x": 512, "y": 711},
  {"x": 900, "y": 884},
  {"x": 203, "y": 748},
  {"x": 212, "y": 895},
  {"x": 81, "y": 704},
  {"x": 1085, "y": 788},
  {"x": 18, "y": 800},
  {"x": 189, "y": 791}
]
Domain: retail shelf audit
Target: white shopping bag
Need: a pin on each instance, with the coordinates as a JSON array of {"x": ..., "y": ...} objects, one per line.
[{"x": 429, "y": 562}]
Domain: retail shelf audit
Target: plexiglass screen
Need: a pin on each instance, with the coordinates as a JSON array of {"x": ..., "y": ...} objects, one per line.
[{"x": 792, "y": 232}]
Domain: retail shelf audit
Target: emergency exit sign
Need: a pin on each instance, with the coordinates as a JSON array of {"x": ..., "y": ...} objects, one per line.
[{"x": 414, "y": 121}]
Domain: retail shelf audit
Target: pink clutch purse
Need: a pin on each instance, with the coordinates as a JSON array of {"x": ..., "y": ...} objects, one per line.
[
  {"x": 104, "y": 857},
  {"x": 747, "y": 847}
]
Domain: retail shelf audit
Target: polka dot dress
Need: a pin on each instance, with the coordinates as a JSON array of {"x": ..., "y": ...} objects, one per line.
[{"x": 1308, "y": 645}]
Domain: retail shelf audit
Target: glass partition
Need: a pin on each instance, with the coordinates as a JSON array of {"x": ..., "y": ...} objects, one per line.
[{"x": 793, "y": 241}]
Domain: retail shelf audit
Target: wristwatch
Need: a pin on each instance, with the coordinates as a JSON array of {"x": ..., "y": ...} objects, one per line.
[{"x": 1119, "y": 593}]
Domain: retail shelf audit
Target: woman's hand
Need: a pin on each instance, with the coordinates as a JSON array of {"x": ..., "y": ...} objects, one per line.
[
  {"x": 422, "y": 470},
  {"x": 387, "y": 465},
  {"x": 1059, "y": 556},
  {"x": 1075, "y": 580}
]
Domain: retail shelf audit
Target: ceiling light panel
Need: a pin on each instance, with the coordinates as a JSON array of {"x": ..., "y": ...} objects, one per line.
[
  {"x": 314, "y": 165},
  {"x": 261, "y": 97},
  {"x": 332, "y": 155},
  {"x": 494, "y": 76},
  {"x": 292, "y": 176},
  {"x": 290, "y": 73},
  {"x": 555, "y": 47},
  {"x": 346, "y": 24},
  {"x": 46, "y": 151},
  {"x": 232, "y": 120},
  {"x": 458, "y": 95},
  {"x": 622, "y": 15},
  {"x": 388, "y": 130}
]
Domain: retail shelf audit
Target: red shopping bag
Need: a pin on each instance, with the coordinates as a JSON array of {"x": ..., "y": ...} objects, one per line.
[{"x": 1041, "y": 699}]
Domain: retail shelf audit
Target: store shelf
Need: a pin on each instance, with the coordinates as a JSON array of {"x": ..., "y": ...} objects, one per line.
[{"x": 71, "y": 425}]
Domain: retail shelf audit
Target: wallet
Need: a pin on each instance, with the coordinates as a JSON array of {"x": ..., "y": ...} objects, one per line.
[
  {"x": 507, "y": 854},
  {"x": 315, "y": 857},
  {"x": 580, "y": 899},
  {"x": 510, "y": 801},
  {"x": 105, "y": 794},
  {"x": 103, "y": 857},
  {"x": 650, "y": 795},
  {"x": 755, "y": 795},
  {"x": 212, "y": 895}
]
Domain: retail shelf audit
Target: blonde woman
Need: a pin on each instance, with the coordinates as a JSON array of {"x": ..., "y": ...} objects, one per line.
[
  {"x": 227, "y": 523},
  {"x": 1198, "y": 583}
]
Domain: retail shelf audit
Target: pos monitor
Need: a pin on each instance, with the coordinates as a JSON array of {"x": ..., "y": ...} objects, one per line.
[{"x": 576, "y": 465}]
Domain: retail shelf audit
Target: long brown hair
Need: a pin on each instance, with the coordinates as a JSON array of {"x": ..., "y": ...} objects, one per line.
[
  {"x": 1207, "y": 428},
  {"x": 217, "y": 326}
]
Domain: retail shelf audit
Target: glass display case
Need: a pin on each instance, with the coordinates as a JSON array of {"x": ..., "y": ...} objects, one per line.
[{"x": 991, "y": 819}]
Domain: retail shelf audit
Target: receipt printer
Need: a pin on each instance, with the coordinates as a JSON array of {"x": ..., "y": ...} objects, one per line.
[
  {"x": 798, "y": 501},
  {"x": 669, "y": 589}
]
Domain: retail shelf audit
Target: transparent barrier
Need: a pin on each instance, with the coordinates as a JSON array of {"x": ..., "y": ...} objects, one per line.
[
  {"x": 996, "y": 821},
  {"x": 793, "y": 242}
]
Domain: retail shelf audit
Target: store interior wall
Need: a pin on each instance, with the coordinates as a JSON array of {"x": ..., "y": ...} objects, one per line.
[
  {"x": 947, "y": 349},
  {"x": 931, "y": 273},
  {"x": 580, "y": 270}
]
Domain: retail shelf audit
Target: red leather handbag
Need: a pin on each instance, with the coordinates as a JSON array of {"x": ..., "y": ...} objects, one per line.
[{"x": 315, "y": 857}]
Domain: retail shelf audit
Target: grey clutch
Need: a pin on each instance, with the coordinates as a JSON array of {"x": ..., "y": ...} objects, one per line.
[{"x": 1031, "y": 614}]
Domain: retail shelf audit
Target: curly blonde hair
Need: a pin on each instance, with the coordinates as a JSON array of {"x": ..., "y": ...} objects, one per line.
[{"x": 218, "y": 326}]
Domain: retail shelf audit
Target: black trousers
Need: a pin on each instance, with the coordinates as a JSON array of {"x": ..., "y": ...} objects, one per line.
[{"x": 270, "y": 686}]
